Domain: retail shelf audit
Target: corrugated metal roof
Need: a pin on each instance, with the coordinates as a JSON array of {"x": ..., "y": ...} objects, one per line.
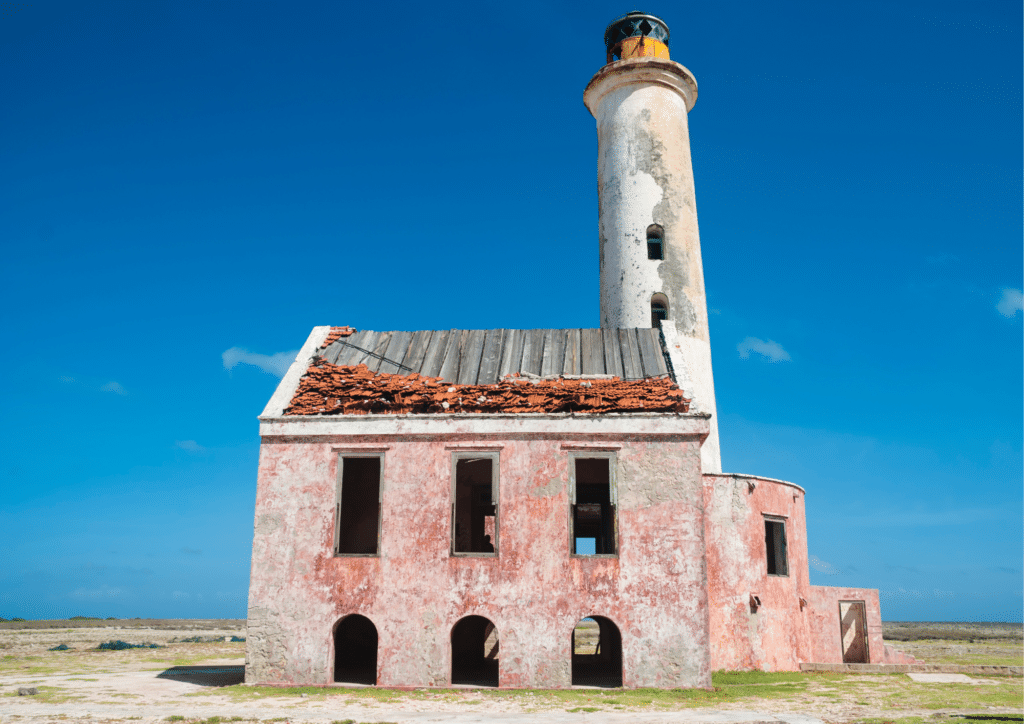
[{"x": 485, "y": 356}]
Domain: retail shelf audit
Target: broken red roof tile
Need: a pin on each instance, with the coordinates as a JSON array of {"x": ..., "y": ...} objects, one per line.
[
  {"x": 328, "y": 389},
  {"x": 337, "y": 333}
]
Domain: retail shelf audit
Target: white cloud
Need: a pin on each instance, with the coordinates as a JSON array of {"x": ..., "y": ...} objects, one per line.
[
  {"x": 93, "y": 594},
  {"x": 67, "y": 380},
  {"x": 913, "y": 594},
  {"x": 189, "y": 446},
  {"x": 180, "y": 595},
  {"x": 822, "y": 566},
  {"x": 114, "y": 387},
  {"x": 274, "y": 364},
  {"x": 1011, "y": 302},
  {"x": 770, "y": 349}
]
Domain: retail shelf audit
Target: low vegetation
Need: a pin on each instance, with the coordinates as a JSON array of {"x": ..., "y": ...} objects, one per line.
[{"x": 64, "y": 663}]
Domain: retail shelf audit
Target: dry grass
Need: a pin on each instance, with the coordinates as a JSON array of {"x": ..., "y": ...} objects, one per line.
[{"x": 84, "y": 676}]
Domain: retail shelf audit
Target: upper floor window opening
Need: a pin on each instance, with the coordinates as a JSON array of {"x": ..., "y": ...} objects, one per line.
[
  {"x": 593, "y": 522},
  {"x": 475, "y": 503},
  {"x": 357, "y": 508},
  {"x": 655, "y": 242}
]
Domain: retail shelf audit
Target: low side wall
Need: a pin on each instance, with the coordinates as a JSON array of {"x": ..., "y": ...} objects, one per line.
[
  {"x": 823, "y": 623},
  {"x": 773, "y": 637}
]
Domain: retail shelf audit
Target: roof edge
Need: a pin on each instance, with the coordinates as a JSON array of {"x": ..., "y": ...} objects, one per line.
[
  {"x": 759, "y": 478},
  {"x": 480, "y": 415},
  {"x": 290, "y": 382}
]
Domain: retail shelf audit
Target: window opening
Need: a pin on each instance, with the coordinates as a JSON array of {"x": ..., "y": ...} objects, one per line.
[
  {"x": 357, "y": 527},
  {"x": 596, "y": 653},
  {"x": 475, "y": 504},
  {"x": 655, "y": 242},
  {"x": 775, "y": 546},
  {"x": 355, "y": 651},
  {"x": 593, "y": 507},
  {"x": 475, "y": 652},
  {"x": 659, "y": 310}
]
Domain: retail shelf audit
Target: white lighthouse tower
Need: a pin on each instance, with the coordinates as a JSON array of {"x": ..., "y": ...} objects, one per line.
[{"x": 651, "y": 269}]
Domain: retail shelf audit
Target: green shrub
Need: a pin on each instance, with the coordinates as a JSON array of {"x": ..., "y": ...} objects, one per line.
[{"x": 122, "y": 645}]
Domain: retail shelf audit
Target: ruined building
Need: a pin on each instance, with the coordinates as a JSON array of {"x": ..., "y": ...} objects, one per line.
[{"x": 444, "y": 507}]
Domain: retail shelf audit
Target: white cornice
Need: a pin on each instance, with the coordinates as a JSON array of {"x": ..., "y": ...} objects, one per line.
[
  {"x": 657, "y": 71},
  {"x": 659, "y": 424}
]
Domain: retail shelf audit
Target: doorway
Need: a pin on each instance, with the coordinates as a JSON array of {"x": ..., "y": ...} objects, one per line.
[
  {"x": 355, "y": 651},
  {"x": 596, "y": 653},
  {"x": 853, "y": 632},
  {"x": 475, "y": 652}
]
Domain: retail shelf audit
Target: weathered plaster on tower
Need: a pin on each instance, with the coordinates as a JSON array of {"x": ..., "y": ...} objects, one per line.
[{"x": 645, "y": 177}]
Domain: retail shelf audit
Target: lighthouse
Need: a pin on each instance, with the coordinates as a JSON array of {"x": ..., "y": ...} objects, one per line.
[{"x": 651, "y": 269}]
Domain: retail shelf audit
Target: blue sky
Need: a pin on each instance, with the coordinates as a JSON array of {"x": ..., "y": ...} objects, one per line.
[{"x": 189, "y": 187}]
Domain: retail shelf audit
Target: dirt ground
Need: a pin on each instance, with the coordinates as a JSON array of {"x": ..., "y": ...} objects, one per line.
[{"x": 196, "y": 675}]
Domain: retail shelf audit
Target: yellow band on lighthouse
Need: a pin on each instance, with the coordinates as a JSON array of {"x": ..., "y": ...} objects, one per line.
[{"x": 640, "y": 47}]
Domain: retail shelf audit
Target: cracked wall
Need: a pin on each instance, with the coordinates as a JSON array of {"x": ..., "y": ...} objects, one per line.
[{"x": 534, "y": 591}]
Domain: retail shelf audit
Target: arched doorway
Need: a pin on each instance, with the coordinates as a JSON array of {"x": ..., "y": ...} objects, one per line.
[
  {"x": 355, "y": 651},
  {"x": 475, "y": 652},
  {"x": 596, "y": 653}
]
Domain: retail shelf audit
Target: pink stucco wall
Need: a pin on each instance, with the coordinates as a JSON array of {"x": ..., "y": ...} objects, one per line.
[
  {"x": 796, "y": 622},
  {"x": 773, "y": 637},
  {"x": 655, "y": 591}
]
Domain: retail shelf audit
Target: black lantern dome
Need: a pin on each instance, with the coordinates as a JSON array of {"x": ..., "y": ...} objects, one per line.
[{"x": 632, "y": 25}]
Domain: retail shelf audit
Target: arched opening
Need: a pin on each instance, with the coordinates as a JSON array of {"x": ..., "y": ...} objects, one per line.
[
  {"x": 659, "y": 310},
  {"x": 475, "y": 652},
  {"x": 655, "y": 242},
  {"x": 596, "y": 653},
  {"x": 355, "y": 651}
]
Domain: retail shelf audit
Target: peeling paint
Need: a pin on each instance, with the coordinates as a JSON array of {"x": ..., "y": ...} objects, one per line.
[
  {"x": 415, "y": 591},
  {"x": 781, "y": 634},
  {"x": 645, "y": 176}
]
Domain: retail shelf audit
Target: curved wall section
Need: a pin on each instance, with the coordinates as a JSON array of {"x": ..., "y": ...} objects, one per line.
[
  {"x": 756, "y": 619},
  {"x": 766, "y": 621}
]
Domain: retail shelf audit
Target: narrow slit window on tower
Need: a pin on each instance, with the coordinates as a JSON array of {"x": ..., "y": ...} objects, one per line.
[
  {"x": 659, "y": 310},
  {"x": 357, "y": 511},
  {"x": 593, "y": 522},
  {"x": 475, "y": 503},
  {"x": 655, "y": 242},
  {"x": 775, "y": 546}
]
